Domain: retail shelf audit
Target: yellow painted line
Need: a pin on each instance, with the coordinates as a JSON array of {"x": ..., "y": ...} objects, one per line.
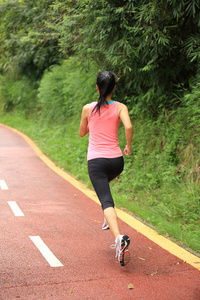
[{"x": 130, "y": 220}]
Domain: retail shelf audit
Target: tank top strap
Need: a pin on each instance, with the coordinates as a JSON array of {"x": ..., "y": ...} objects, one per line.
[{"x": 92, "y": 105}]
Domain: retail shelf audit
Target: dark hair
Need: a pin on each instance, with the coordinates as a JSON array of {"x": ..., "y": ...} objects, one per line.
[{"x": 106, "y": 81}]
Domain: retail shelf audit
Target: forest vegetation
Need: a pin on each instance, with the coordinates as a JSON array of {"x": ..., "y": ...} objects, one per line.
[{"x": 50, "y": 53}]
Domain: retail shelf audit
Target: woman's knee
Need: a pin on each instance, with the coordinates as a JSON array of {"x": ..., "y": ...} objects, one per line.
[{"x": 107, "y": 204}]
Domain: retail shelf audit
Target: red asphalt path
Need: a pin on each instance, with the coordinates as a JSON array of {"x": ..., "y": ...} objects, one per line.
[{"x": 69, "y": 223}]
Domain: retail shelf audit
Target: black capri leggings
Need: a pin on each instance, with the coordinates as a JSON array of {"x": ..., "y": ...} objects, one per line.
[{"x": 101, "y": 172}]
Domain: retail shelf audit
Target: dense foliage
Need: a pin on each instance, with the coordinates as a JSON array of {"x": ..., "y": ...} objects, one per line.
[
  {"x": 154, "y": 46},
  {"x": 64, "y": 90},
  {"x": 23, "y": 47}
]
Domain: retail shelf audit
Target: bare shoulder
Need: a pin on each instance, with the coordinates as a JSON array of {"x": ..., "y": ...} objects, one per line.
[
  {"x": 86, "y": 110},
  {"x": 86, "y": 106},
  {"x": 121, "y": 107}
]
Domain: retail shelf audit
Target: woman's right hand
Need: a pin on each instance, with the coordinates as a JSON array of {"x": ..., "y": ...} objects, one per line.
[
  {"x": 124, "y": 116},
  {"x": 127, "y": 150}
]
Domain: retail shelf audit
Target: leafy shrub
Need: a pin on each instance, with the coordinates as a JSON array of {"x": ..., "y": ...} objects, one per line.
[
  {"x": 17, "y": 94},
  {"x": 23, "y": 46},
  {"x": 153, "y": 46},
  {"x": 191, "y": 104},
  {"x": 64, "y": 90}
]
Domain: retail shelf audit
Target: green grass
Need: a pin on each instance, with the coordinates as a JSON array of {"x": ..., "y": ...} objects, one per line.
[{"x": 171, "y": 204}]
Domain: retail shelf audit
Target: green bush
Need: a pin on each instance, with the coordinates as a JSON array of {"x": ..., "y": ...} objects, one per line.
[
  {"x": 153, "y": 46},
  {"x": 64, "y": 90},
  {"x": 18, "y": 94}
]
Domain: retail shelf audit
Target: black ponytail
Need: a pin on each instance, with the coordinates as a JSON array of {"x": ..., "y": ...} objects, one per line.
[{"x": 106, "y": 81}]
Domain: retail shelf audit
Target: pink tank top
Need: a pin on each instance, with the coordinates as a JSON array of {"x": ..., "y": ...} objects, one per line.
[{"x": 103, "y": 132}]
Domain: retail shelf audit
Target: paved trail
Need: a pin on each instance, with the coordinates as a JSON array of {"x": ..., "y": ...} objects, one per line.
[{"x": 52, "y": 245}]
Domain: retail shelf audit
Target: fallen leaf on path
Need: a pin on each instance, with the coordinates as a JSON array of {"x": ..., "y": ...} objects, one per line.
[{"x": 130, "y": 286}]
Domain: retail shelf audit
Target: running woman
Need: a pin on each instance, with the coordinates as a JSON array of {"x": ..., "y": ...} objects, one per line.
[{"x": 105, "y": 158}]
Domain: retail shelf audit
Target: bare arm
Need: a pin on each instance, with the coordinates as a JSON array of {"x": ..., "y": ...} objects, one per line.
[
  {"x": 84, "y": 129},
  {"x": 124, "y": 117}
]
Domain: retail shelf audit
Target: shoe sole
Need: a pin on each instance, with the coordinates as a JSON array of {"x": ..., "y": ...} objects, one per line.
[
  {"x": 105, "y": 227},
  {"x": 124, "y": 257}
]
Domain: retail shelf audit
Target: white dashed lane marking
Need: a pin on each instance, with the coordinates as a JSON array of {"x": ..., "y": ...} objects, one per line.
[
  {"x": 45, "y": 251},
  {"x": 48, "y": 255},
  {"x": 15, "y": 208},
  {"x": 3, "y": 185}
]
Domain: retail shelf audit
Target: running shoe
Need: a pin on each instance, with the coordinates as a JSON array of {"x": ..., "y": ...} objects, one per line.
[
  {"x": 121, "y": 244},
  {"x": 105, "y": 225}
]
